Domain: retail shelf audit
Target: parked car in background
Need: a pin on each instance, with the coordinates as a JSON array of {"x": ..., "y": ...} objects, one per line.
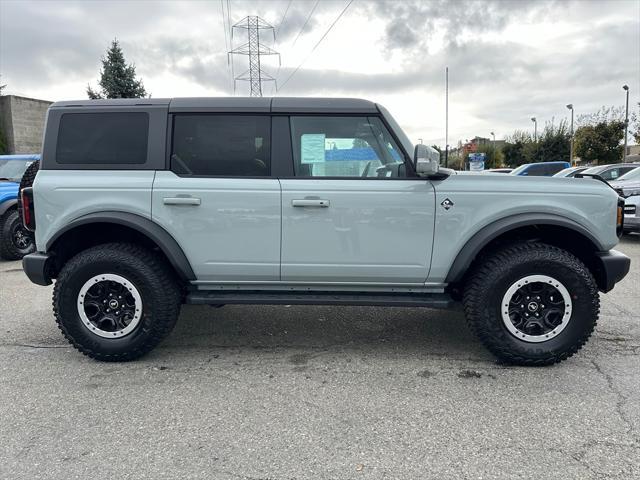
[
  {"x": 570, "y": 172},
  {"x": 541, "y": 169},
  {"x": 628, "y": 186},
  {"x": 499, "y": 170},
  {"x": 611, "y": 172},
  {"x": 15, "y": 240},
  {"x": 632, "y": 214}
]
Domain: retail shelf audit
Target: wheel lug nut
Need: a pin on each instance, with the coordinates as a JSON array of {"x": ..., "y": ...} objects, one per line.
[{"x": 108, "y": 310}]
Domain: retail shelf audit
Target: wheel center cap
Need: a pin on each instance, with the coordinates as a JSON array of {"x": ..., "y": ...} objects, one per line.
[
  {"x": 533, "y": 306},
  {"x": 113, "y": 303}
]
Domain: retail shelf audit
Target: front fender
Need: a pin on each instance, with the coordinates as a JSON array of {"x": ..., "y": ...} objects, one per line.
[{"x": 488, "y": 233}]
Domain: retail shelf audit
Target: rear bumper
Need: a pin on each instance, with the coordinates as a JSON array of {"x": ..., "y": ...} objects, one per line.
[
  {"x": 613, "y": 266},
  {"x": 37, "y": 267}
]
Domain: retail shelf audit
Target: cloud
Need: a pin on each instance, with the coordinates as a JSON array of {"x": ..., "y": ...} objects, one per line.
[{"x": 508, "y": 60}]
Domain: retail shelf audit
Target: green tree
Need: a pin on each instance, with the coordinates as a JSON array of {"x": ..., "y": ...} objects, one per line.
[
  {"x": 554, "y": 144},
  {"x": 600, "y": 143},
  {"x": 517, "y": 149},
  {"x": 494, "y": 157},
  {"x": 117, "y": 79},
  {"x": 634, "y": 125}
]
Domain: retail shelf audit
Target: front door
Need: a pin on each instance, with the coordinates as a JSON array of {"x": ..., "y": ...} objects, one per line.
[
  {"x": 219, "y": 201},
  {"x": 351, "y": 214}
]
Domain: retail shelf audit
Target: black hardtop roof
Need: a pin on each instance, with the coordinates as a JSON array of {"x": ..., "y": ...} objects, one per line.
[{"x": 237, "y": 104}]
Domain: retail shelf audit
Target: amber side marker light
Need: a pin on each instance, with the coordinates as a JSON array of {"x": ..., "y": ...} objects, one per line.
[{"x": 620, "y": 217}]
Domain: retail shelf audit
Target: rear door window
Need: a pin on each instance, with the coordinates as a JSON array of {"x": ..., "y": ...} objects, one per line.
[
  {"x": 115, "y": 138},
  {"x": 221, "y": 145}
]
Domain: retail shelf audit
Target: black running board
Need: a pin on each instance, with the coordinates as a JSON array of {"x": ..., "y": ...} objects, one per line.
[{"x": 430, "y": 300}]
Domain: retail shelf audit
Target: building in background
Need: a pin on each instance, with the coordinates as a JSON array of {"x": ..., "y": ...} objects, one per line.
[{"x": 22, "y": 123}]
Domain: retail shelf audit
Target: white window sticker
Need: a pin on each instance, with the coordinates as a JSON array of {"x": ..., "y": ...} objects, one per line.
[{"x": 312, "y": 148}]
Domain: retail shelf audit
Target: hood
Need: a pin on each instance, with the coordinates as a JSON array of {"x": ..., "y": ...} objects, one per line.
[
  {"x": 8, "y": 191},
  {"x": 627, "y": 188}
]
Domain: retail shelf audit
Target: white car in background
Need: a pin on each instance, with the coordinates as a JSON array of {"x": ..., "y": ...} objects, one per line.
[{"x": 628, "y": 186}]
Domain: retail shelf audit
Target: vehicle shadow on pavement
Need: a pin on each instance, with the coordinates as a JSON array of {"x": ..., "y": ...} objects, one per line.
[{"x": 409, "y": 331}]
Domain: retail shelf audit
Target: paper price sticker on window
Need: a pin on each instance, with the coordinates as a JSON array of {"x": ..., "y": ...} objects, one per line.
[{"x": 312, "y": 148}]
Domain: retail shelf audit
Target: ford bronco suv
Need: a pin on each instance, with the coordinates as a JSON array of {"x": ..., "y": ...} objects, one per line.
[{"x": 141, "y": 205}]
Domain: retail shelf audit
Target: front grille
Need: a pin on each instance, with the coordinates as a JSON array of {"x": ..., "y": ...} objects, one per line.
[{"x": 629, "y": 209}]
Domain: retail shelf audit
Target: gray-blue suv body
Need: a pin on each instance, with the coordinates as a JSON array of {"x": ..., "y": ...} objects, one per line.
[{"x": 142, "y": 205}]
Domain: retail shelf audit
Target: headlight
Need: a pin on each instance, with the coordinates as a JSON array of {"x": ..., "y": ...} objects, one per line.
[{"x": 630, "y": 192}]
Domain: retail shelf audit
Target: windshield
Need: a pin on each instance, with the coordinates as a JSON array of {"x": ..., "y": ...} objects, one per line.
[
  {"x": 595, "y": 170},
  {"x": 565, "y": 172},
  {"x": 519, "y": 169},
  {"x": 13, "y": 169},
  {"x": 632, "y": 175},
  {"x": 404, "y": 140}
]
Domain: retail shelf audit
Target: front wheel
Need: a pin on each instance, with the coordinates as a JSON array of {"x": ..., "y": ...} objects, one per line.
[
  {"x": 532, "y": 304},
  {"x": 116, "y": 302}
]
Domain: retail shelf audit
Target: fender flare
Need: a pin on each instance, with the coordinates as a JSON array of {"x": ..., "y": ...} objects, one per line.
[
  {"x": 5, "y": 206},
  {"x": 146, "y": 227},
  {"x": 481, "y": 238}
]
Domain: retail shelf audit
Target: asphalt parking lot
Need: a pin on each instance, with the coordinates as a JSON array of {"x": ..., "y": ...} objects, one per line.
[{"x": 255, "y": 392}]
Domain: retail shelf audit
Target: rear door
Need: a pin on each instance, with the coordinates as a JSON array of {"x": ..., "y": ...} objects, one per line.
[
  {"x": 352, "y": 214},
  {"x": 218, "y": 199}
]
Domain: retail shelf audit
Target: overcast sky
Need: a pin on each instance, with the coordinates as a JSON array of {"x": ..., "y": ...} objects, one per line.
[{"x": 508, "y": 60}]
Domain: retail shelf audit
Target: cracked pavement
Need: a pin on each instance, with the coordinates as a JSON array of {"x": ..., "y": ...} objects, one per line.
[{"x": 266, "y": 392}]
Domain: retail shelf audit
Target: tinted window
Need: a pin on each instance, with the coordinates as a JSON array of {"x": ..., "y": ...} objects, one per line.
[
  {"x": 226, "y": 145},
  {"x": 536, "y": 170},
  {"x": 344, "y": 147},
  {"x": 103, "y": 138},
  {"x": 554, "y": 168}
]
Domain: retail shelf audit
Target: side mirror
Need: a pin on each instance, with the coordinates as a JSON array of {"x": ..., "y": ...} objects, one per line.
[{"x": 426, "y": 160}]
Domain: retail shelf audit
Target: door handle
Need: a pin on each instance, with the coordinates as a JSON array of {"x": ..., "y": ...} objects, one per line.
[
  {"x": 308, "y": 202},
  {"x": 181, "y": 201}
]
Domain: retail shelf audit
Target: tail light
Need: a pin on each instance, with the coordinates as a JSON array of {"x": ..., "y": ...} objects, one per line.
[
  {"x": 28, "y": 212},
  {"x": 620, "y": 217}
]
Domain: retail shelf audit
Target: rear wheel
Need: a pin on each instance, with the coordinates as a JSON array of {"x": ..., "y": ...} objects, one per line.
[
  {"x": 116, "y": 302},
  {"x": 532, "y": 304},
  {"x": 15, "y": 240}
]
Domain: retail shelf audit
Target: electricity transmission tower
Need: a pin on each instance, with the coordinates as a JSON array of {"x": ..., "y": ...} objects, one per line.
[{"x": 254, "y": 50}]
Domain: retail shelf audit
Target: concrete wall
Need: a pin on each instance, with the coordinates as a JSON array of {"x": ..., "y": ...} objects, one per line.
[{"x": 22, "y": 123}]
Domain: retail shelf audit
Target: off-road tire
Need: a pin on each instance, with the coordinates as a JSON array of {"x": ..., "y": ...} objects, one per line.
[
  {"x": 490, "y": 280},
  {"x": 10, "y": 221},
  {"x": 27, "y": 181},
  {"x": 150, "y": 275}
]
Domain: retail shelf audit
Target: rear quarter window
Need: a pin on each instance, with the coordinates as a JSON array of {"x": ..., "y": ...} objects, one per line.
[{"x": 114, "y": 138}]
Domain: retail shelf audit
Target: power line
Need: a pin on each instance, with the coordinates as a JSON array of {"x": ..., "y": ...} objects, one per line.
[
  {"x": 318, "y": 43},
  {"x": 275, "y": 43},
  {"x": 226, "y": 41},
  {"x": 305, "y": 23},
  {"x": 233, "y": 74},
  {"x": 284, "y": 15}
]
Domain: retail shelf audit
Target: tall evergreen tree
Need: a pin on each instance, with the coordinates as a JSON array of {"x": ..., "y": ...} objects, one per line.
[{"x": 117, "y": 79}]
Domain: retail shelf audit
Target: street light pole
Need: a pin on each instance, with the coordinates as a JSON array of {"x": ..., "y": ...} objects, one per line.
[
  {"x": 535, "y": 129},
  {"x": 570, "y": 107},
  {"x": 626, "y": 122},
  {"x": 446, "y": 120}
]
